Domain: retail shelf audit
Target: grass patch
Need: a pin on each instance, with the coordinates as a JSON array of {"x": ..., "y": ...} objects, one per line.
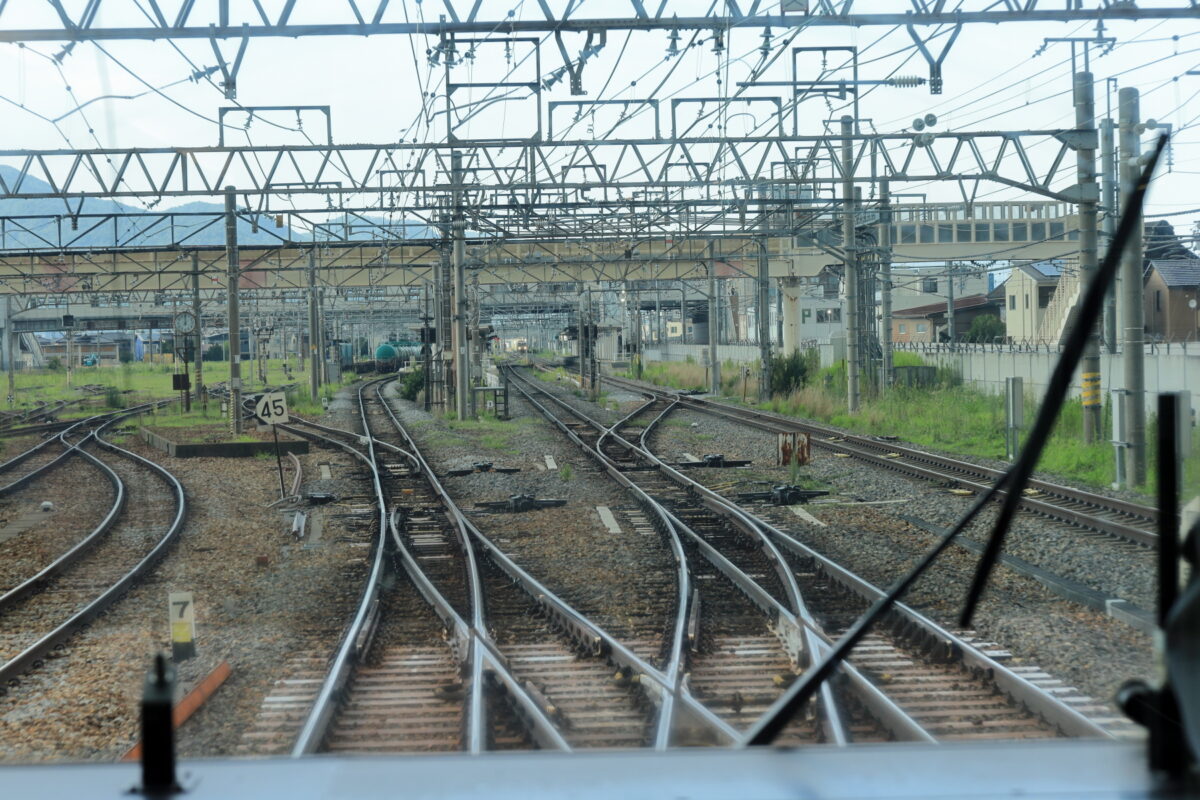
[
  {"x": 487, "y": 432},
  {"x": 146, "y": 380}
]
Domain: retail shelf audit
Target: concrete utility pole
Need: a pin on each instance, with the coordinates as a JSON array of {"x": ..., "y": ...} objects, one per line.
[
  {"x": 314, "y": 329},
  {"x": 951, "y": 322},
  {"x": 853, "y": 356},
  {"x": 199, "y": 332},
  {"x": 1108, "y": 166},
  {"x": 235, "y": 333},
  {"x": 1132, "y": 314},
  {"x": 885, "y": 288},
  {"x": 714, "y": 372},
  {"x": 9, "y": 337},
  {"x": 1085, "y": 170},
  {"x": 581, "y": 338},
  {"x": 462, "y": 384},
  {"x": 761, "y": 307}
]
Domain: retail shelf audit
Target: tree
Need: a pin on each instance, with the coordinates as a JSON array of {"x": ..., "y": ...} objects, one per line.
[{"x": 985, "y": 328}]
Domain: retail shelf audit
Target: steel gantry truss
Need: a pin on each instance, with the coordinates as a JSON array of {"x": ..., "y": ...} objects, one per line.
[
  {"x": 538, "y": 174},
  {"x": 63, "y": 20}
]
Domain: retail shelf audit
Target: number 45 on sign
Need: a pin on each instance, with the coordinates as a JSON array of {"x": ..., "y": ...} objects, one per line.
[{"x": 271, "y": 408}]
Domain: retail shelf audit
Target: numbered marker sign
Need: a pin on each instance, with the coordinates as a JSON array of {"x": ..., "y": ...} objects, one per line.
[
  {"x": 272, "y": 408},
  {"x": 183, "y": 625}
]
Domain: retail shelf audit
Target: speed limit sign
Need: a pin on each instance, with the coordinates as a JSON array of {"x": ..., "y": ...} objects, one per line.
[{"x": 271, "y": 408}]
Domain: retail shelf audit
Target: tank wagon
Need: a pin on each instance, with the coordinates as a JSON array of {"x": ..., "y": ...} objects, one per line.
[{"x": 390, "y": 356}]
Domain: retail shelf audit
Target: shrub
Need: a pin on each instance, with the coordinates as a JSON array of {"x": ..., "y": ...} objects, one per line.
[
  {"x": 113, "y": 397},
  {"x": 985, "y": 328},
  {"x": 412, "y": 384},
  {"x": 789, "y": 373},
  {"x": 55, "y": 364},
  {"x": 215, "y": 352}
]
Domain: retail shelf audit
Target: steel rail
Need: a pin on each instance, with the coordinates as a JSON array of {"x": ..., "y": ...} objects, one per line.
[
  {"x": 586, "y": 633},
  {"x": 933, "y": 467},
  {"x": 540, "y": 594},
  {"x": 1070, "y": 721},
  {"x": 674, "y": 671},
  {"x": 795, "y": 626},
  {"x": 815, "y": 640},
  {"x": 73, "y": 554},
  {"x": 32, "y": 656},
  {"x": 71, "y": 449},
  {"x": 49, "y": 465},
  {"x": 476, "y": 716},
  {"x": 469, "y": 647},
  {"x": 357, "y": 633},
  {"x": 31, "y": 430}
]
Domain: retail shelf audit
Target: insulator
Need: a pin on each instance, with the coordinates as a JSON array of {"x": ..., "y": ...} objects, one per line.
[
  {"x": 906, "y": 81},
  {"x": 918, "y": 124}
]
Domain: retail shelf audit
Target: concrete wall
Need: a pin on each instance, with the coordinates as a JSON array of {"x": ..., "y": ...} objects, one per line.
[
  {"x": 1168, "y": 369},
  {"x": 1172, "y": 369},
  {"x": 741, "y": 353}
]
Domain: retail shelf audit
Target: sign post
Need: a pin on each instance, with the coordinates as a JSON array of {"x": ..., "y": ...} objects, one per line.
[
  {"x": 183, "y": 625},
  {"x": 272, "y": 409}
]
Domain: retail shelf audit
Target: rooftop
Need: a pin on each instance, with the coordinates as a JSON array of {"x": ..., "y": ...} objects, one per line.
[
  {"x": 934, "y": 309},
  {"x": 1183, "y": 273}
]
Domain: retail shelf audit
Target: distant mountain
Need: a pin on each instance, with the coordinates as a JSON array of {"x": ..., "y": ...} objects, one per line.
[{"x": 51, "y": 224}]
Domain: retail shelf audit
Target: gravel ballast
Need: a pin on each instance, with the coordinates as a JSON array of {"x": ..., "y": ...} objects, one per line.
[{"x": 260, "y": 598}]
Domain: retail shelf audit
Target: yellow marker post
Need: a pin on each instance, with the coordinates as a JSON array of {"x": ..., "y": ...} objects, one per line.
[
  {"x": 1091, "y": 389},
  {"x": 183, "y": 625}
]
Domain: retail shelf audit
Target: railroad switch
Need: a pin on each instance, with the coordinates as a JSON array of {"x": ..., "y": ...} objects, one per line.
[
  {"x": 783, "y": 495},
  {"x": 520, "y": 502},
  {"x": 482, "y": 466},
  {"x": 716, "y": 461}
]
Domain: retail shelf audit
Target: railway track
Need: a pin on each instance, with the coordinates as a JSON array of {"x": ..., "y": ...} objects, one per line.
[
  {"x": 938, "y": 684},
  {"x": 1094, "y": 512},
  {"x": 38, "y": 615},
  {"x": 414, "y": 671},
  {"x": 574, "y": 684},
  {"x": 566, "y": 681},
  {"x": 747, "y": 642}
]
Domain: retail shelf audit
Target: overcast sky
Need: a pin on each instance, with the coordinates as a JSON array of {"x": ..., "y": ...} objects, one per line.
[{"x": 993, "y": 80}]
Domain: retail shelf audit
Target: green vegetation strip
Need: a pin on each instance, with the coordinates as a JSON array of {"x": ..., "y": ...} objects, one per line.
[{"x": 946, "y": 416}]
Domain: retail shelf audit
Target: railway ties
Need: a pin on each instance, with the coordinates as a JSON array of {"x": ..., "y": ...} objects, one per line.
[
  {"x": 944, "y": 686},
  {"x": 737, "y": 663},
  {"x": 40, "y": 614},
  {"x": 577, "y": 690},
  {"x": 594, "y": 704},
  {"x": 928, "y": 682},
  {"x": 580, "y": 691}
]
